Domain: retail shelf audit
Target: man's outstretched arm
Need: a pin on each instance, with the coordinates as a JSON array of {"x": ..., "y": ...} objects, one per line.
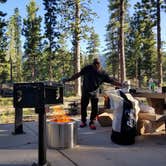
[
  {"x": 112, "y": 81},
  {"x": 73, "y": 77}
]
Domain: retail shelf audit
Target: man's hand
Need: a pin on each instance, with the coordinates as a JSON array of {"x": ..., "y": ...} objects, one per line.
[
  {"x": 64, "y": 80},
  {"x": 125, "y": 84},
  {"x": 118, "y": 85}
]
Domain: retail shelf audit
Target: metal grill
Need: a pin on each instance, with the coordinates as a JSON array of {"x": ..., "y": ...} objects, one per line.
[{"x": 36, "y": 95}]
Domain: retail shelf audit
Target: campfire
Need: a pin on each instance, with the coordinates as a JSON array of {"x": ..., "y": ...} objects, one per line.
[
  {"x": 61, "y": 129},
  {"x": 59, "y": 115}
]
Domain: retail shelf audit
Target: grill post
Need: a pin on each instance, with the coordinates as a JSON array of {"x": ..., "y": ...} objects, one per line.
[
  {"x": 42, "y": 137},
  {"x": 18, "y": 121},
  {"x": 42, "y": 146}
]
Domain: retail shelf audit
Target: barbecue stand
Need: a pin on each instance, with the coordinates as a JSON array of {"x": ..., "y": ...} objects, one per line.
[{"x": 36, "y": 95}]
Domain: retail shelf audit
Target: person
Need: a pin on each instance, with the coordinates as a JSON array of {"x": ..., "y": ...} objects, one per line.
[
  {"x": 93, "y": 76},
  {"x": 151, "y": 84}
]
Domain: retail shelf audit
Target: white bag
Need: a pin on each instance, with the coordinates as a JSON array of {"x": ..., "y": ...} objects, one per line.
[{"x": 146, "y": 108}]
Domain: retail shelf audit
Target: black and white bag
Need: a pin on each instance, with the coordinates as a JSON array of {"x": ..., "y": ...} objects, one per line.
[{"x": 124, "y": 122}]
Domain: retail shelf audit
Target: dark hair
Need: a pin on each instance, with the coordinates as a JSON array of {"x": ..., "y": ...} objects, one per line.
[{"x": 96, "y": 61}]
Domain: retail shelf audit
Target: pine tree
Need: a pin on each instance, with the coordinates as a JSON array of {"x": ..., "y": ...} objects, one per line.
[
  {"x": 93, "y": 46},
  {"x": 14, "y": 47},
  {"x": 78, "y": 15},
  {"x": 32, "y": 45},
  {"x": 121, "y": 42},
  {"x": 141, "y": 44},
  {"x": 155, "y": 6},
  {"x": 115, "y": 53},
  {"x": 64, "y": 58},
  {"x": 3, "y": 47},
  {"x": 52, "y": 31},
  {"x": 160, "y": 4}
]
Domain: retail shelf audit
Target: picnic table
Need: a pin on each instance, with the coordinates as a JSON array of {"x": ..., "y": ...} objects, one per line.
[{"x": 156, "y": 100}]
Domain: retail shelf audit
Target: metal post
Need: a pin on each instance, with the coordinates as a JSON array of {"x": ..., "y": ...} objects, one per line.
[
  {"x": 42, "y": 146},
  {"x": 18, "y": 121},
  {"x": 42, "y": 137}
]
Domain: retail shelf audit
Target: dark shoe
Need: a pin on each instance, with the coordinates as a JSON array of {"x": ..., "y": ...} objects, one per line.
[
  {"x": 83, "y": 124},
  {"x": 92, "y": 126}
]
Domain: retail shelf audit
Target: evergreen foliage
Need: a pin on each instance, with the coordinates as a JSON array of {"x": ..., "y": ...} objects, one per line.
[
  {"x": 113, "y": 39},
  {"x": 52, "y": 32},
  {"x": 55, "y": 51},
  {"x": 32, "y": 45},
  {"x": 93, "y": 46},
  {"x": 14, "y": 53},
  {"x": 4, "y": 74}
]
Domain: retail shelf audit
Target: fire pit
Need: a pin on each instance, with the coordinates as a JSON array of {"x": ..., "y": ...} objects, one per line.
[
  {"x": 61, "y": 134},
  {"x": 61, "y": 130}
]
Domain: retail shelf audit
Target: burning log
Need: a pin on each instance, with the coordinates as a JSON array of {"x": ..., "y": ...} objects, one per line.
[{"x": 59, "y": 115}]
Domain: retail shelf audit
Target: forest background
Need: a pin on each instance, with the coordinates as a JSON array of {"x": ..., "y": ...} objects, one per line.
[{"x": 47, "y": 40}]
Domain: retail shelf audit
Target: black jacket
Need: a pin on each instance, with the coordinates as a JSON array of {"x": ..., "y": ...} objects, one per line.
[{"x": 93, "y": 78}]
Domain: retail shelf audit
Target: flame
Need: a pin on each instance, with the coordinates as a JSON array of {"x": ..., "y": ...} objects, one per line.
[{"x": 59, "y": 115}]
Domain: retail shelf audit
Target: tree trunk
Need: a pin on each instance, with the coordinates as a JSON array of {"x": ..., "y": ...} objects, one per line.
[
  {"x": 50, "y": 65},
  {"x": 33, "y": 69},
  {"x": 121, "y": 45},
  {"x": 77, "y": 48},
  {"x": 11, "y": 70},
  {"x": 159, "y": 55},
  {"x": 136, "y": 72}
]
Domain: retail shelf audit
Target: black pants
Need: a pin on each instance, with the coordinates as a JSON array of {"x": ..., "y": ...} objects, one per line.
[{"x": 86, "y": 97}]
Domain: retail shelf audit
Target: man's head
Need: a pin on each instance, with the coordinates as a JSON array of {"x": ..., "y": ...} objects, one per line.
[{"x": 96, "y": 63}]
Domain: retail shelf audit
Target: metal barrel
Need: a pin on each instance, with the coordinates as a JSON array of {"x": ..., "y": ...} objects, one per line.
[{"x": 61, "y": 134}]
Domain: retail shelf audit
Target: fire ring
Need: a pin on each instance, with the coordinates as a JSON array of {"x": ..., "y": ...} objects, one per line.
[{"x": 61, "y": 135}]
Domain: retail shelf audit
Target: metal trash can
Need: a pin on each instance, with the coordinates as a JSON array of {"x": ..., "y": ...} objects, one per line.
[{"x": 61, "y": 135}]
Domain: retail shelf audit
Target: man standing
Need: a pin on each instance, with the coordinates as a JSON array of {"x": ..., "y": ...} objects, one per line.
[{"x": 93, "y": 77}]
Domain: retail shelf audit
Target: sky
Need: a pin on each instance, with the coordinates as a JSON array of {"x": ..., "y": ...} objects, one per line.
[{"x": 100, "y": 8}]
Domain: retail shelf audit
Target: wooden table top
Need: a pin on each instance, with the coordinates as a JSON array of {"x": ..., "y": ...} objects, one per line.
[{"x": 150, "y": 95}]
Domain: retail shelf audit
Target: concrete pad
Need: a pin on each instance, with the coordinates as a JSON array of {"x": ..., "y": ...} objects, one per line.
[
  {"x": 20, "y": 157},
  {"x": 27, "y": 140},
  {"x": 94, "y": 148}
]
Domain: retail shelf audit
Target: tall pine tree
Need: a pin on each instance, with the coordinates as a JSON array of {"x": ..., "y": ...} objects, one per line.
[
  {"x": 14, "y": 47},
  {"x": 93, "y": 46},
  {"x": 78, "y": 15},
  {"x": 52, "y": 32},
  {"x": 32, "y": 45},
  {"x": 141, "y": 44},
  {"x": 115, "y": 38},
  {"x": 3, "y": 47}
]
